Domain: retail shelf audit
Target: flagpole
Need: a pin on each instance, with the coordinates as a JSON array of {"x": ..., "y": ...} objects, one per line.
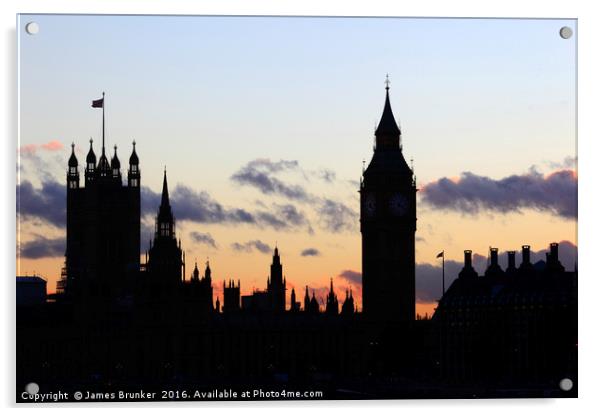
[
  {"x": 103, "y": 121},
  {"x": 443, "y": 274}
]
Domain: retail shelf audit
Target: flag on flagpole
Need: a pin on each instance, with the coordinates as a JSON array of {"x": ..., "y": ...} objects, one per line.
[
  {"x": 440, "y": 255},
  {"x": 98, "y": 103}
]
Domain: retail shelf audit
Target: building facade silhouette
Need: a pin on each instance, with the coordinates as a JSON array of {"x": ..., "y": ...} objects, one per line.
[
  {"x": 165, "y": 266},
  {"x": 517, "y": 324},
  {"x": 103, "y": 226},
  {"x": 388, "y": 227}
]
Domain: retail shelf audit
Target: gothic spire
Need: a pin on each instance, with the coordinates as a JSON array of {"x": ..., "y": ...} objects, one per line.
[
  {"x": 195, "y": 272},
  {"x": 134, "y": 157},
  {"x": 388, "y": 125},
  {"x": 115, "y": 164},
  {"x": 73, "y": 158},
  {"x": 165, "y": 193},
  {"x": 91, "y": 157},
  {"x": 165, "y": 219}
]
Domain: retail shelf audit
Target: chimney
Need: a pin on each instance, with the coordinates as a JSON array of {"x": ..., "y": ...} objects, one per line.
[
  {"x": 511, "y": 260},
  {"x": 554, "y": 253},
  {"x": 467, "y": 259},
  {"x": 526, "y": 255},
  {"x": 493, "y": 255}
]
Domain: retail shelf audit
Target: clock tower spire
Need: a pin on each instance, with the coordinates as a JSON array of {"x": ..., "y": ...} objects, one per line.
[{"x": 388, "y": 226}]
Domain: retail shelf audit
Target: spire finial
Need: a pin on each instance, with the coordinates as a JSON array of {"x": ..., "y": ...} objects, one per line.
[
  {"x": 72, "y": 146},
  {"x": 134, "y": 143},
  {"x": 91, "y": 141},
  {"x": 387, "y": 82}
]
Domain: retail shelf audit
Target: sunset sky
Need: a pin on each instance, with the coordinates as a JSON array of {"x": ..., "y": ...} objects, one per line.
[{"x": 272, "y": 117}]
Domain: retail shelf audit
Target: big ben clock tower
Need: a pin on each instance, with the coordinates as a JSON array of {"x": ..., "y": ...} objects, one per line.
[{"x": 388, "y": 226}]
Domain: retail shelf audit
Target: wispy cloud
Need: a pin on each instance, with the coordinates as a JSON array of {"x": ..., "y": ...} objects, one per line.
[
  {"x": 41, "y": 247},
  {"x": 554, "y": 193},
  {"x": 51, "y": 146},
  {"x": 262, "y": 174},
  {"x": 250, "y": 246},
  {"x": 351, "y": 276},
  {"x": 47, "y": 203},
  {"x": 310, "y": 252},
  {"x": 336, "y": 217},
  {"x": 203, "y": 238},
  {"x": 569, "y": 162},
  {"x": 258, "y": 173}
]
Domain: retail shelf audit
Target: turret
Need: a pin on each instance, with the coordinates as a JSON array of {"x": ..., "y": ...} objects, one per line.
[
  {"x": 294, "y": 304},
  {"x": 116, "y": 166},
  {"x": 195, "y": 273},
  {"x": 72, "y": 171},
  {"x": 332, "y": 303},
  {"x": 103, "y": 170},
  {"x": 348, "y": 305},
  {"x": 134, "y": 170},
  {"x": 207, "y": 276},
  {"x": 276, "y": 284},
  {"x": 90, "y": 165},
  {"x": 314, "y": 307},
  {"x": 306, "y": 300}
]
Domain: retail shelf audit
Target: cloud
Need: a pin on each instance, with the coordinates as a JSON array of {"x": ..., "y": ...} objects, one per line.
[
  {"x": 257, "y": 173},
  {"x": 429, "y": 277},
  {"x": 51, "y": 146},
  {"x": 555, "y": 193},
  {"x": 336, "y": 217},
  {"x": 569, "y": 162},
  {"x": 47, "y": 203},
  {"x": 285, "y": 216},
  {"x": 310, "y": 252},
  {"x": 249, "y": 246},
  {"x": 351, "y": 276},
  {"x": 43, "y": 247},
  {"x": 327, "y": 175},
  {"x": 203, "y": 238},
  {"x": 198, "y": 206},
  {"x": 333, "y": 216},
  {"x": 191, "y": 205}
]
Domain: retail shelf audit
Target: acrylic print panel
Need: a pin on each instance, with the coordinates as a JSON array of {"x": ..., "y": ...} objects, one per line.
[{"x": 262, "y": 208}]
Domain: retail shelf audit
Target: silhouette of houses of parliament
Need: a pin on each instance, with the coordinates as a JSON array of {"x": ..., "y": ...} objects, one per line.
[
  {"x": 514, "y": 324},
  {"x": 117, "y": 321}
]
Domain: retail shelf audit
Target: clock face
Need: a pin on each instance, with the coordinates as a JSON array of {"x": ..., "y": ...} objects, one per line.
[
  {"x": 398, "y": 204},
  {"x": 370, "y": 205}
]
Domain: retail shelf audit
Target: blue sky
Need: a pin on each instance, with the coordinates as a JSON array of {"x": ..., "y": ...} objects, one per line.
[{"x": 304, "y": 88}]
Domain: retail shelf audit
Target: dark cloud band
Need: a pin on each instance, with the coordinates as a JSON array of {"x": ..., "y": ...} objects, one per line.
[{"x": 555, "y": 193}]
